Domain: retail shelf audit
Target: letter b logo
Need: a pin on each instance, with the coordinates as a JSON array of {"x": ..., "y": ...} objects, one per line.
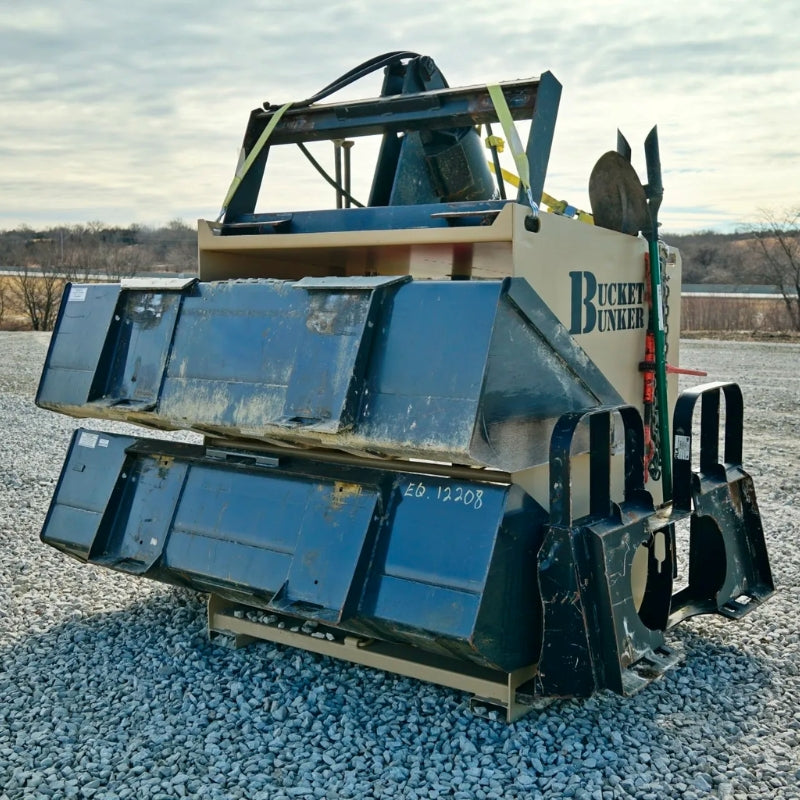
[{"x": 583, "y": 301}]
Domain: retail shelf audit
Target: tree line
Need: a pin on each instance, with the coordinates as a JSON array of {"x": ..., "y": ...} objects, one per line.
[
  {"x": 766, "y": 253},
  {"x": 44, "y": 260},
  {"x": 95, "y": 248}
]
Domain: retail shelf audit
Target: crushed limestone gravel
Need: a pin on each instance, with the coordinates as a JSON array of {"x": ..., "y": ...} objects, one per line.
[{"x": 110, "y": 689}]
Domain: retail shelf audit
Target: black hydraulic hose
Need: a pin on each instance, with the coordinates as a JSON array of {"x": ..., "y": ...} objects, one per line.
[
  {"x": 319, "y": 168},
  {"x": 362, "y": 70}
]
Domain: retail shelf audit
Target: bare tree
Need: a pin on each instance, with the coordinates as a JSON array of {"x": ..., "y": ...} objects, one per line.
[
  {"x": 182, "y": 243},
  {"x": 80, "y": 256},
  {"x": 123, "y": 261},
  {"x": 39, "y": 291},
  {"x": 708, "y": 257},
  {"x": 46, "y": 259},
  {"x": 39, "y": 284},
  {"x": 777, "y": 244}
]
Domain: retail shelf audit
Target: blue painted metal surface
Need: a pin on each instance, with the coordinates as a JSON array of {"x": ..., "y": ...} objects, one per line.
[
  {"x": 469, "y": 372},
  {"x": 381, "y": 218},
  {"x": 364, "y": 550}
]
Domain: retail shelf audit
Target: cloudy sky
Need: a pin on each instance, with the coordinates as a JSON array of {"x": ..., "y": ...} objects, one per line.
[{"x": 134, "y": 111}]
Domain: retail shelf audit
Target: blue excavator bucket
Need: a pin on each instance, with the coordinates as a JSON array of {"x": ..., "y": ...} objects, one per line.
[
  {"x": 363, "y": 550},
  {"x": 469, "y": 372}
]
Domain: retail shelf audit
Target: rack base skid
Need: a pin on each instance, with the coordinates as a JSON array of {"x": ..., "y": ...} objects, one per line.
[{"x": 489, "y": 688}]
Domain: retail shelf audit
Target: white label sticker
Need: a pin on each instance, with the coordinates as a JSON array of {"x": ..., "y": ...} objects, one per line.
[
  {"x": 660, "y": 307},
  {"x": 77, "y": 294},
  {"x": 87, "y": 439},
  {"x": 102, "y": 443},
  {"x": 154, "y": 542},
  {"x": 683, "y": 448}
]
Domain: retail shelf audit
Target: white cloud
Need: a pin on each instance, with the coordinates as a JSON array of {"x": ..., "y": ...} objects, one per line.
[{"x": 135, "y": 111}]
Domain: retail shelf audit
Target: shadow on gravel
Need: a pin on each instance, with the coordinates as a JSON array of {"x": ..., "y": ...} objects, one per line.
[{"x": 138, "y": 703}]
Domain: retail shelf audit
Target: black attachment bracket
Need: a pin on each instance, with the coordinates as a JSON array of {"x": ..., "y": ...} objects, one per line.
[
  {"x": 729, "y": 570},
  {"x": 598, "y": 632}
]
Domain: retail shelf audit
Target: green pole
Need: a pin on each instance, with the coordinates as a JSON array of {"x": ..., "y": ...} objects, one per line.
[{"x": 655, "y": 192}]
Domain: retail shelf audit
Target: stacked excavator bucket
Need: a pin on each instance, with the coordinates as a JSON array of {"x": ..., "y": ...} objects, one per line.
[{"x": 424, "y": 448}]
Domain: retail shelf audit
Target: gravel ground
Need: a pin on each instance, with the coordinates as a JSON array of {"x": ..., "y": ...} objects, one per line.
[{"x": 109, "y": 688}]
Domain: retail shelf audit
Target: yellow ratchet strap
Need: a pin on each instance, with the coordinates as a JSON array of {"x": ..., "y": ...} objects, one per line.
[
  {"x": 512, "y": 137},
  {"x": 244, "y": 166},
  {"x": 555, "y": 206}
]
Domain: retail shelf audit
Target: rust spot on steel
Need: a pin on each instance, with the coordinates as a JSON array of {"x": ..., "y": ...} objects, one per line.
[
  {"x": 342, "y": 491},
  {"x": 164, "y": 463},
  {"x": 736, "y": 498}
]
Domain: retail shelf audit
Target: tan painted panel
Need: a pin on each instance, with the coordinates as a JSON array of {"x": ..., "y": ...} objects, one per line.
[
  {"x": 379, "y": 251},
  {"x": 557, "y": 259}
]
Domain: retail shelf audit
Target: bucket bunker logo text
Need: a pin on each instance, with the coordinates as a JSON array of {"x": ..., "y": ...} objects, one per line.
[{"x": 606, "y": 307}]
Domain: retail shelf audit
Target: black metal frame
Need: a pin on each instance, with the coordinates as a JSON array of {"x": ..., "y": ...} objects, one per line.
[
  {"x": 593, "y": 635},
  {"x": 729, "y": 570},
  {"x": 413, "y": 99}
]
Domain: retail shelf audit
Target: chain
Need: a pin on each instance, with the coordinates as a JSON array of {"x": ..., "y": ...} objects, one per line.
[
  {"x": 663, "y": 255},
  {"x": 654, "y": 465}
]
